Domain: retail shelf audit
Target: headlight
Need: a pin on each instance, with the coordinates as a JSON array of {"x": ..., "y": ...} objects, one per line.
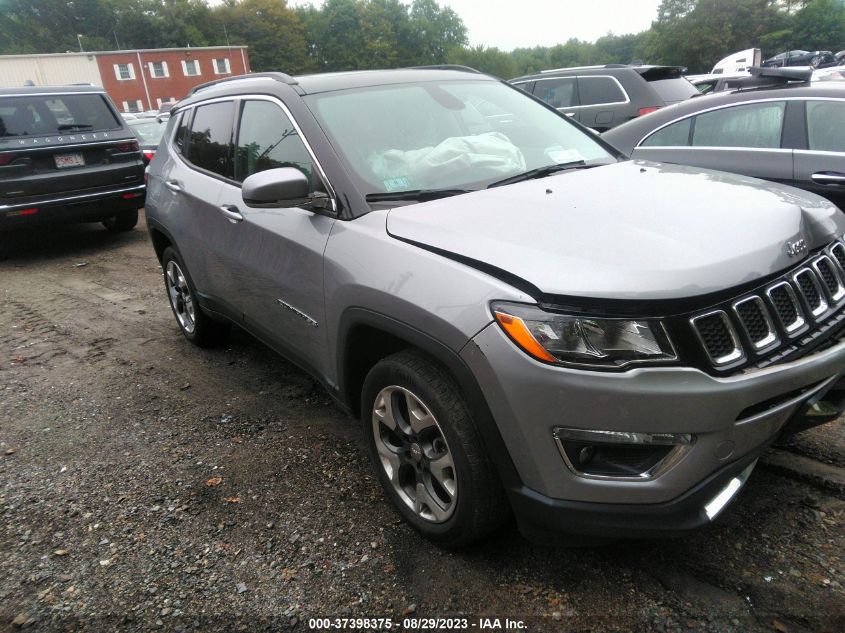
[{"x": 584, "y": 340}]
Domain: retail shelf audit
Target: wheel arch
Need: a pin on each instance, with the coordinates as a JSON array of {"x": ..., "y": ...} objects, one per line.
[
  {"x": 160, "y": 238},
  {"x": 365, "y": 337}
]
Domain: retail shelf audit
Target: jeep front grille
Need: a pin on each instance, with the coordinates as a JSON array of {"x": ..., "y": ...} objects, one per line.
[{"x": 768, "y": 322}]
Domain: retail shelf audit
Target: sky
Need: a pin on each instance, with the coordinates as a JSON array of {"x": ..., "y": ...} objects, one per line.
[{"x": 509, "y": 24}]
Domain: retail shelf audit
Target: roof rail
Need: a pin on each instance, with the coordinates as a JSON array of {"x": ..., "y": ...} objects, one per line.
[
  {"x": 794, "y": 73},
  {"x": 554, "y": 70},
  {"x": 466, "y": 69},
  {"x": 280, "y": 77}
]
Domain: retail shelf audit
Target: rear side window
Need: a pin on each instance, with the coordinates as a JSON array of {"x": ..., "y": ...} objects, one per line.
[
  {"x": 210, "y": 138},
  {"x": 599, "y": 90},
  {"x": 675, "y": 135},
  {"x": 560, "y": 92},
  {"x": 55, "y": 114},
  {"x": 826, "y": 126},
  {"x": 267, "y": 139},
  {"x": 753, "y": 125}
]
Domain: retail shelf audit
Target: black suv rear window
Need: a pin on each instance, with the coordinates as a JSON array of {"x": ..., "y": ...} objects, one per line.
[{"x": 42, "y": 115}]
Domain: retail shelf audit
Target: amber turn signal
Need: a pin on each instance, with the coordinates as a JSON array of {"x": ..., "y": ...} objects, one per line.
[{"x": 518, "y": 331}]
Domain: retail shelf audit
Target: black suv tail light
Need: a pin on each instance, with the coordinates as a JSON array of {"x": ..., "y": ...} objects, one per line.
[
  {"x": 7, "y": 158},
  {"x": 127, "y": 146}
]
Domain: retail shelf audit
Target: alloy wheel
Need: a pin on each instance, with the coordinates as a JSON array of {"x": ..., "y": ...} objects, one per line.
[
  {"x": 180, "y": 296},
  {"x": 414, "y": 454}
]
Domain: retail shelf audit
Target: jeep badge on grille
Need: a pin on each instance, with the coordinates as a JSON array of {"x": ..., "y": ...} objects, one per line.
[{"x": 796, "y": 248}]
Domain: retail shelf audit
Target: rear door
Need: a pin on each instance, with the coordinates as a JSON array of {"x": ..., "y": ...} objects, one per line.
[
  {"x": 55, "y": 145},
  {"x": 192, "y": 184},
  {"x": 821, "y": 167},
  {"x": 602, "y": 96},
  {"x": 743, "y": 139},
  {"x": 276, "y": 253},
  {"x": 560, "y": 93}
]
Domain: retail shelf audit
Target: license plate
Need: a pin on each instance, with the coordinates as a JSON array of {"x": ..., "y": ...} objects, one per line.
[{"x": 69, "y": 160}]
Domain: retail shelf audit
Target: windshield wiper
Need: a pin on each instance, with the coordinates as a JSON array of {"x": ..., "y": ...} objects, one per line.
[
  {"x": 539, "y": 172},
  {"x": 416, "y": 195}
]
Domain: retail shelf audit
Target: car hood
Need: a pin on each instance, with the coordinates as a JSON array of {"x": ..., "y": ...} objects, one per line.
[{"x": 631, "y": 230}]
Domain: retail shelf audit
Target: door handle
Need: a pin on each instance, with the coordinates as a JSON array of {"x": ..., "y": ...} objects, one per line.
[
  {"x": 173, "y": 185},
  {"x": 828, "y": 178},
  {"x": 232, "y": 213}
]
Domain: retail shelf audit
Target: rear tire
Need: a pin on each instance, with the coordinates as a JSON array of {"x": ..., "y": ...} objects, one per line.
[
  {"x": 199, "y": 328},
  {"x": 122, "y": 221},
  {"x": 427, "y": 452}
]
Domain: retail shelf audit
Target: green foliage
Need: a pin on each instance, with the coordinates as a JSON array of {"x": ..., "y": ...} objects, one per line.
[{"x": 358, "y": 34}]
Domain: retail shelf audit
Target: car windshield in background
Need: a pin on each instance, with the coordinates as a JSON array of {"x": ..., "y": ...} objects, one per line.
[
  {"x": 674, "y": 90},
  {"x": 437, "y": 135},
  {"x": 42, "y": 115},
  {"x": 148, "y": 131}
]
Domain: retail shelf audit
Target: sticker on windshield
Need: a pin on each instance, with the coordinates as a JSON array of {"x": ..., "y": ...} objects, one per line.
[
  {"x": 400, "y": 183},
  {"x": 561, "y": 155}
]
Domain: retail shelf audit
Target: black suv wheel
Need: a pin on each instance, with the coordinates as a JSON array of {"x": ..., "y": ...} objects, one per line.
[{"x": 122, "y": 221}]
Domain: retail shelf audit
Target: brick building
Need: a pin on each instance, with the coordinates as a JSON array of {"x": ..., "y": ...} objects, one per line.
[
  {"x": 137, "y": 79},
  {"x": 144, "y": 79}
]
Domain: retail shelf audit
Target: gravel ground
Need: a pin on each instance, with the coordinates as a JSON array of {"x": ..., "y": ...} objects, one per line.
[{"x": 148, "y": 484}]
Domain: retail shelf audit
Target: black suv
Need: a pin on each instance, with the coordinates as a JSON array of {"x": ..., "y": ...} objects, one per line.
[
  {"x": 66, "y": 155},
  {"x": 602, "y": 97}
]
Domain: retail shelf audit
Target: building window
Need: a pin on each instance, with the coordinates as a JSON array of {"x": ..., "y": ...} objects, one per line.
[
  {"x": 191, "y": 68},
  {"x": 133, "y": 106},
  {"x": 158, "y": 70},
  {"x": 221, "y": 66},
  {"x": 162, "y": 100},
  {"x": 124, "y": 72}
]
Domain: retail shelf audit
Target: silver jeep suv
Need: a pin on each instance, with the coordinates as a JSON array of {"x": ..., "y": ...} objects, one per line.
[{"x": 525, "y": 321}]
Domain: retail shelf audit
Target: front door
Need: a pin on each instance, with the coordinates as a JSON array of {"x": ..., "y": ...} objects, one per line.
[{"x": 277, "y": 273}]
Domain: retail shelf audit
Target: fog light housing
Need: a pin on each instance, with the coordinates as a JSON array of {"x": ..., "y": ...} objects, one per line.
[{"x": 620, "y": 455}]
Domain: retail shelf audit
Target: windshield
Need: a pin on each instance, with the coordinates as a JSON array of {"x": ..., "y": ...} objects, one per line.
[
  {"x": 437, "y": 135},
  {"x": 41, "y": 115},
  {"x": 149, "y": 132},
  {"x": 674, "y": 90}
]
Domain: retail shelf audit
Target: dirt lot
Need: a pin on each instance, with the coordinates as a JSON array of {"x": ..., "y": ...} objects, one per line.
[{"x": 145, "y": 484}]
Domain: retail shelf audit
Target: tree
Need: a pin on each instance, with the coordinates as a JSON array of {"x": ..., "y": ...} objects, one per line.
[{"x": 489, "y": 60}]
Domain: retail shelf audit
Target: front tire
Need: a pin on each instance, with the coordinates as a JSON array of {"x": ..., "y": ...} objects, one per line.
[
  {"x": 427, "y": 452},
  {"x": 122, "y": 221},
  {"x": 196, "y": 325}
]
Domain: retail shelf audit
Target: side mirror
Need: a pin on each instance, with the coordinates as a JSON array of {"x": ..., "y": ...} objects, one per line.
[{"x": 281, "y": 187}]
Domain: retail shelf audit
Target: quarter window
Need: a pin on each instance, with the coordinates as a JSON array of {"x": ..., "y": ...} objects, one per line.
[
  {"x": 598, "y": 90},
  {"x": 268, "y": 139},
  {"x": 675, "y": 135},
  {"x": 210, "y": 138},
  {"x": 826, "y": 126},
  {"x": 754, "y": 125},
  {"x": 558, "y": 93}
]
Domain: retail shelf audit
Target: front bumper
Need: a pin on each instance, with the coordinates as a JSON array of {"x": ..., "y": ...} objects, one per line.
[
  {"x": 732, "y": 418},
  {"x": 92, "y": 206}
]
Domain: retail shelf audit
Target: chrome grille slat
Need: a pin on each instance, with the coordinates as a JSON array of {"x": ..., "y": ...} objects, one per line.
[
  {"x": 786, "y": 307},
  {"x": 810, "y": 290},
  {"x": 830, "y": 277},
  {"x": 754, "y": 318},
  {"x": 779, "y": 318}
]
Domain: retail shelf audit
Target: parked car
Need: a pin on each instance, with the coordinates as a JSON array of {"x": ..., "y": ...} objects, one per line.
[
  {"x": 602, "y": 97},
  {"x": 149, "y": 133},
  {"x": 840, "y": 58},
  {"x": 66, "y": 155},
  {"x": 816, "y": 59},
  {"x": 794, "y": 135},
  {"x": 709, "y": 83},
  {"x": 520, "y": 317}
]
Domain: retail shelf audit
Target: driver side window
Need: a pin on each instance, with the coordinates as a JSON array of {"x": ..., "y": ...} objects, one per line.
[{"x": 267, "y": 139}]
